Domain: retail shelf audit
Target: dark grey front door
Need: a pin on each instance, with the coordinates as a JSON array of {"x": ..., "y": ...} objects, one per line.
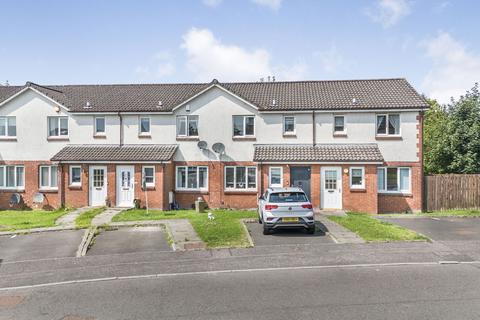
[{"x": 300, "y": 177}]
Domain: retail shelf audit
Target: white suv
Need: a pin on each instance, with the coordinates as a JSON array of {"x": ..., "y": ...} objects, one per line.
[{"x": 285, "y": 208}]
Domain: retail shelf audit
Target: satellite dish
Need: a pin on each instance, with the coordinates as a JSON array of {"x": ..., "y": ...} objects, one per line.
[
  {"x": 202, "y": 145},
  {"x": 218, "y": 147},
  {"x": 38, "y": 198},
  {"x": 15, "y": 199}
]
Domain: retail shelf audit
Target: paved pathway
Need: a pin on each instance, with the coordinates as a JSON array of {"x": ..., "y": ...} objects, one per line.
[
  {"x": 106, "y": 216},
  {"x": 180, "y": 230},
  {"x": 337, "y": 232},
  {"x": 68, "y": 220}
]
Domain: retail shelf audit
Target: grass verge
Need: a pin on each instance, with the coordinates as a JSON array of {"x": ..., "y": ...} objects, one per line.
[
  {"x": 21, "y": 219},
  {"x": 85, "y": 219},
  {"x": 224, "y": 231},
  {"x": 373, "y": 230}
]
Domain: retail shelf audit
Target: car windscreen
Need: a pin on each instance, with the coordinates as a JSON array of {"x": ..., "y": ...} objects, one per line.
[{"x": 281, "y": 197}]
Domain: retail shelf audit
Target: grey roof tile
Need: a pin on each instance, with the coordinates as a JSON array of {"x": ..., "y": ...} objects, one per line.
[
  {"x": 129, "y": 152},
  {"x": 318, "y": 153},
  {"x": 295, "y": 95}
]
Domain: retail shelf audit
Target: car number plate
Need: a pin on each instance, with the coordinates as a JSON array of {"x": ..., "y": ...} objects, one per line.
[{"x": 290, "y": 219}]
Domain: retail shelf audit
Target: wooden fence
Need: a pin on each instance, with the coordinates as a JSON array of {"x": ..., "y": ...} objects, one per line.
[{"x": 452, "y": 191}]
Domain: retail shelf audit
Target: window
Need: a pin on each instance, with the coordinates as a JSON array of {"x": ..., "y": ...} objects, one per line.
[
  {"x": 339, "y": 124},
  {"x": 276, "y": 177},
  {"x": 12, "y": 177},
  {"x": 144, "y": 125},
  {"x": 8, "y": 127},
  {"x": 241, "y": 178},
  {"x": 187, "y": 126},
  {"x": 57, "y": 126},
  {"x": 357, "y": 177},
  {"x": 99, "y": 126},
  {"x": 192, "y": 178},
  {"x": 243, "y": 126},
  {"x": 288, "y": 125},
  {"x": 149, "y": 176},
  {"x": 75, "y": 175},
  {"x": 388, "y": 124},
  {"x": 392, "y": 179},
  {"x": 48, "y": 177}
]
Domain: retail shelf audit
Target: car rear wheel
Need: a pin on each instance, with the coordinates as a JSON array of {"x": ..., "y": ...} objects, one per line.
[
  {"x": 266, "y": 230},
  {"x": 311, "y": 230}
]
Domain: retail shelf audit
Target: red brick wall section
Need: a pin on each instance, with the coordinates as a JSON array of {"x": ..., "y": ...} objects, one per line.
[
  {"x": 52, "y": 198},
  {"x": 404, "y": 203},
  {"x": 315, "y": 185},
  {"x": 74, "y": 196},
  {"x": 360, "y": 200},
  {"x": 154, "y": 195}
]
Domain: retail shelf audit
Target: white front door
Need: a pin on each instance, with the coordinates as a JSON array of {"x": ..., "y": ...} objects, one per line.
[
  {"x": 331, "y": 189},
  {"x": 98, "y": 185},
  {"x": 125, "y": 186}
]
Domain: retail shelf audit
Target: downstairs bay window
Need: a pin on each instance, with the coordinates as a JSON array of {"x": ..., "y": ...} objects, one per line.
[
  {"x": 12, "y": 177},
  {"x": 241, "y": 178},
  {"x": 192, "y": 178},
  {"x": 394, "y": 180}
]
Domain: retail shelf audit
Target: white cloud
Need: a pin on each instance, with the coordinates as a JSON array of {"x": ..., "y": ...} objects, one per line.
[
  {"x": 272, "y": 4},
  {"x": 208, "y": 58},
  {"x": 160, "y": 65},
  {"x": 389, "y": 12},
  {"x": 331, "y": 59},
  {"x": 212, "y": 3},
  {"x": 455, "y": 69}
]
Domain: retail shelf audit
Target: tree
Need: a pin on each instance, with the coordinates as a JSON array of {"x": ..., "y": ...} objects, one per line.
[{"x": 437, "y": 154}]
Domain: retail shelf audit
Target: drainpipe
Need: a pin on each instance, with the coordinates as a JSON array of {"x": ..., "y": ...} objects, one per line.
[
  {"x": 121, "y": 129},
  {"x": 314, "y": 142}
]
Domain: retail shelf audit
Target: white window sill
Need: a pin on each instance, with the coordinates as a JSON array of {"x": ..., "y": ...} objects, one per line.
[
  {"x": 388, "y": 137},
  {"x": 398, "y": 193},
  {"x": 144, "y": 135},
  {"x": 99, "y": 135},
  {"x": 75, "y": 185},
  {"x": 58, "y": 138},
  {"x": 8, "y": 138},
  {"x": 340, "y": 133},
  {"x": 48, "y": 190},
  {"x": 241, "y": 190},
  {"x": 245, "y": 138},
  {"x": 12, "y": 189},
  {"x": 192, "y": 190},
  {"x": 188, "y": 138}
]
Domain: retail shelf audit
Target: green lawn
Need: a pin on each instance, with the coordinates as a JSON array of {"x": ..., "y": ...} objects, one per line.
[
  {"x": 18, "y": 219},
  {"x": 371, "y": 229},
  {"x": 444, "y": 213},
  {"x": 224, "y": 231},
  {"x": 85, "y": 219}
]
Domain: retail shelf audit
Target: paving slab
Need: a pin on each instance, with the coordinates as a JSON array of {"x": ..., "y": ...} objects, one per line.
[
  {"x": 338, "y": 232},
  {"x": 442, "y": 228},
  {"x": 130, "y": 240},
  {"x": 45, "y": 245},
  {"x": 106, "y": 216},
  {"x": 68, "y": 220},
  {"x": 287, "y": 236}
]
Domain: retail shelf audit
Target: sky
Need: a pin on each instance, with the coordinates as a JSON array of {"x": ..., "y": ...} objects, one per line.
[{"x": 432, "y": 43}]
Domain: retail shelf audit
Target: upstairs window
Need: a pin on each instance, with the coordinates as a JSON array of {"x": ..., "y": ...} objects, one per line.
[
  {"x": 339, "y": 124},
  {"x": 99, "y": 126},
  {"x": 289, "y": 125},
  {"x": 243, "y": 126},
  {"x": 144, "y": 125},
  {"x": 48, "y": 177},
  {"x": 187, "y": 126},
  {"x": 388, "y": 124},
  {"x": 12, "y": 177},
  {"x": 8, "y": 127},
  {"x": 58, "y": 126}
]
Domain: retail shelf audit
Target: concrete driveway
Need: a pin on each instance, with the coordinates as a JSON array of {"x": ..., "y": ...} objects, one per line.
[
  {"x": 130, "y": 240},
  {"x": 442, "y": 228},
  {"x": 45, "y": 245},
  {"x": 287, "y": 236}
]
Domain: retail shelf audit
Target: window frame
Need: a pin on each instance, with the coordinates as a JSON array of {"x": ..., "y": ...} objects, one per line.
[
  {"x": 7, "y": 120},
  {"x": 285, "y": 132},
  {"x": 49, "y": 186},
  {"x": 344, "y": 131},
  {"x": 95, "y": 132},
  {"x": 148, "y": 184},
  {"x": 386, "y": 134},
  {"x": 187, "y": 119},
  {"x": 186, "y": 181},
  {"x": 146, "y": 133},
  {"x": 59, "y": 121},
  {"x": 276, "y": 185},
  {"x": 246, "y": 189},
  {"x": 399, "y": 190},
  {"x": 352, "y": 186},
  {"x": 245, "y": 135},
  {"x": 15, "y": 170},
  {"x": 70, "y": 175}
]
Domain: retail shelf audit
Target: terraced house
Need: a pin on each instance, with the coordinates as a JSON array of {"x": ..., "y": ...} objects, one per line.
[{"x": 353, "y": 145}]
